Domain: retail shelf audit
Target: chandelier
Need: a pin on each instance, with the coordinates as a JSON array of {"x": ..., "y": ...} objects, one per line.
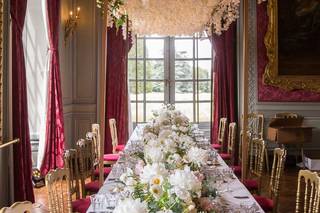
[{"x": 171, "y": 17}]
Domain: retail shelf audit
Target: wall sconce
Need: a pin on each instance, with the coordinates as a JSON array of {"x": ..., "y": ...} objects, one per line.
[{"x": 71, "y": 24}]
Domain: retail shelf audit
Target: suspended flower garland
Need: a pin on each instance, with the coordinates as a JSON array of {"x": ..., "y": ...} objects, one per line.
[{"x": 171, "y": 17}]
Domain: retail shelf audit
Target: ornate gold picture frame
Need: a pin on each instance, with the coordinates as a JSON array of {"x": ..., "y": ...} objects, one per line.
[{"x": 272, "y": 75}]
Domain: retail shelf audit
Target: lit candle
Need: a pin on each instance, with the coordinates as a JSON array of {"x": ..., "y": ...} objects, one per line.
[{"x": 71, "y": 14}]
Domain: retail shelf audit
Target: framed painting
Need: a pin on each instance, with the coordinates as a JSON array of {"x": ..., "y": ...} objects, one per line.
[{"x": 293, "y": 45}]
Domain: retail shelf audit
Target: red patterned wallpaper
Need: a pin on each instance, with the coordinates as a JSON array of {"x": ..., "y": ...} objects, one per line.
[{"x": 270, "y": 93}]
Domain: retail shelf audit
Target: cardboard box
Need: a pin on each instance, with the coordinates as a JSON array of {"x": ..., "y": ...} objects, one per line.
[
  {"x": 312, "y": 161},
  {"x": 289, "y": 131}
]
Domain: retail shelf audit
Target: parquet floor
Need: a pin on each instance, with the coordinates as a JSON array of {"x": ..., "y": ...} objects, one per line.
[{"x": 287, "y": 191}]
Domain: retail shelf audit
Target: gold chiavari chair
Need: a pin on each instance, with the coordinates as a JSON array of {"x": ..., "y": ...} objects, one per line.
[
  {"x": 59, "y": 193},
  {"x": 18, "y": 207},
  {"x": 256, "y": 127},
  {"x": 311, "y": 194},
  {"x": 270, "y": 204},
  {"x": 94, "y": 136},
  {"x": 221, "y": 135},
  {"x": 114, "y": 136},
  {"x": 237, "y": 168},
  {"x": 287, "y": 115},
  {"x": 87, "y": 169},
  {"x": 58, "y": 185},
  {"x": 71, "y": 162},
  {"x": 256, "y": 160},
  {"x": 232, "y": 135}
]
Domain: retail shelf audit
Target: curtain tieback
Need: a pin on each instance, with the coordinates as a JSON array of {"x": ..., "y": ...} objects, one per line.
[{"x": 52, "y": 49}]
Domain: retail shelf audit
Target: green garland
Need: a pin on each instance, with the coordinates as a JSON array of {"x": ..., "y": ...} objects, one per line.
[{"x": 112, "y": 8}]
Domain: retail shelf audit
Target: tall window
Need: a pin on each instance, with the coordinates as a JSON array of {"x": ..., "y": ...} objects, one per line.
[
  {"x": 35, "y": 44},
  {"x": 173, "y": 70}
]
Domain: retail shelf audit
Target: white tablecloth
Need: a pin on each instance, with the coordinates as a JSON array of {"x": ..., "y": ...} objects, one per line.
[{"x": 233, "y": 188}]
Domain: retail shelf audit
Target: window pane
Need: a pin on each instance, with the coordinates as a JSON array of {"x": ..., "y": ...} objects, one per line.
[
  {"x": 204, "y": 112},
  {"x": 183, "y": 70},
  {"x": 154, "y": 48},
  {"x": 133, "y": 85},
  {"x": 204, "y": 90},
  {"x": 155, "y": 91},
  {"x": 132, "y": 52},
  {"x": 132, "y": 69},
  {"x": 183, "y": 48},
  {"x": 134, "y": 112},
  {"x": 186, "y": 108},
  {"x": 150, "y": 107},
  {"x": 204, "y": 48},
  {"x": 154, "y": 69},
  {"x": 184, "y": 91},
  {"x": 204, "y": 69}
]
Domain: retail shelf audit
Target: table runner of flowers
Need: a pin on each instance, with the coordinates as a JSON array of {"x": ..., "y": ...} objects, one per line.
[{"x": 168, "y": 177}]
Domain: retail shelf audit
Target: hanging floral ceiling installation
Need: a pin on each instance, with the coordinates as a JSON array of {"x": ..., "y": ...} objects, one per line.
[{"x": 171, "y": 17}]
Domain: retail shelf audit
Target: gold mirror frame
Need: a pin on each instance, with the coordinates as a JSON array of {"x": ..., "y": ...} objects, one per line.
[{"x": 271, "y": 75}]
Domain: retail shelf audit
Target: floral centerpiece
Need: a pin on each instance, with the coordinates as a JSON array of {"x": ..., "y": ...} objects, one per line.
[{"x": 167, "y": 177}]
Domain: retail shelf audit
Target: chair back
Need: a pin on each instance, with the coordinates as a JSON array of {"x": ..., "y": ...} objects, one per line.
[
  {"x": 310, "y": 193},
  {"x": 232, "y": 135},
  {"x": 72, "y": 163},
  {"x": 240, "y": 145},
  {"x": 287, "y": 115},
  {"x": 279, "y": 158},
  {"x": 256, "y": 125},
  {"x": 94, "y": 136},
  {"x": 58, "y": 185},
  {"x": 18, "y": 207},
  {"x": 257, "y": 151},
  {"x": 84, "y": 148},
  {"x": 222, "y": 131},
  {"x": 114, "y": 134}
]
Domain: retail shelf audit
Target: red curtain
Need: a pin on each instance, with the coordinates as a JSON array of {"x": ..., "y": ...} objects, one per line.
[
  {"x": 225, "y": 79},
  {"x": 23, "y": 189},
  {"x": 54, "y": 142},
  {"x": 117, "y": 86}
]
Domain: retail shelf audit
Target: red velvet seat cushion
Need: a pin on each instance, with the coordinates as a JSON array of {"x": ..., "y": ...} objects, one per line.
[
  {"x": 237, "y": 170},
  {"x": 120, "y": 147},
  {"x": 265, "y": 203},
  {"x": 251, "y": 184},
  {"x": 216, "y": 146},
  {"x": 225, "y": 156},
  {"x": 106, "y": 172},
  {"x": 81, "y": 205},
  {"x": 92, "y": 187},
  {"x": 111, "y": 157}
]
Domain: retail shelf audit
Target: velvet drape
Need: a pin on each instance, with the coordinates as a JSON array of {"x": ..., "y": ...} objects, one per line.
[
  {"x": 23, "y": 189},
  {"x": 117, "y": 86},
  {"x": 54, "y": 142},
  {"x": 225, "y": 79}
]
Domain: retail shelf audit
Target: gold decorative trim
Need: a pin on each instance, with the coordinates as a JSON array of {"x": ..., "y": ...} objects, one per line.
[{"x": 271, "y": 75}]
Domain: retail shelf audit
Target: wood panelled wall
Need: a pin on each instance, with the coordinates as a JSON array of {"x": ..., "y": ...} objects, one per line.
[{"x": 79, "y": 67}]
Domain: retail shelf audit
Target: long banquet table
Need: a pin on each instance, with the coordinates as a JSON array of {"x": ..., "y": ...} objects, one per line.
[{"x": 233, "y": 193}]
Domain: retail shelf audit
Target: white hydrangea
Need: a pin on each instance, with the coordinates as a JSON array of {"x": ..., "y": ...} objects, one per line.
[
  {"x": 185, "y": 180},
  {"x": 154, "y": 154},
  {"x": 198, "y": 156},
  {"x": 130, "y": 205}
]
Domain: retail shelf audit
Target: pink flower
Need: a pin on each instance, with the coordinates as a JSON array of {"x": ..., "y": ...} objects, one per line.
[{"x": 206, "y": 204}]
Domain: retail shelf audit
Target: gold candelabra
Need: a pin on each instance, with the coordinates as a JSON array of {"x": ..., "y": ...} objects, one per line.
[{"x": 71, "y": 24}]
